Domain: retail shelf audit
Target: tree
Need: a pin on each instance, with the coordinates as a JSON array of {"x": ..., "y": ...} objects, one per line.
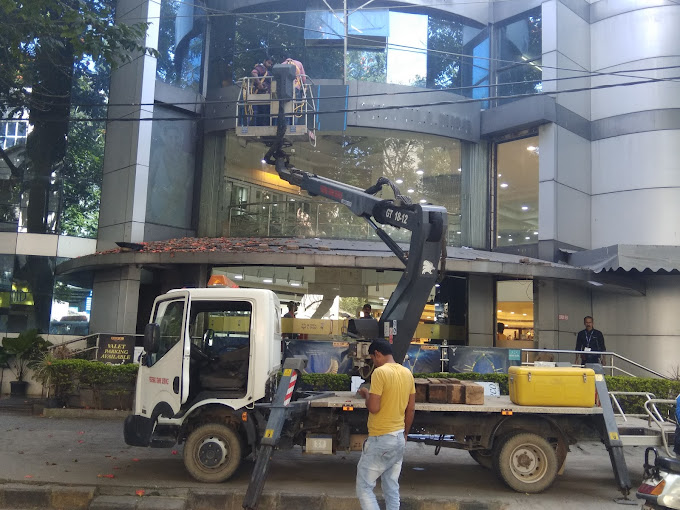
[{"x": 41, "y": 43}]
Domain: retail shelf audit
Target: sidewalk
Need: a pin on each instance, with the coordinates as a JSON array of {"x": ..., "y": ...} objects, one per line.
[{"x": 57, "y": 463}]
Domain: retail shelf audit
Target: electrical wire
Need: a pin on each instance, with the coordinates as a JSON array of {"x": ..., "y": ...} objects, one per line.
[
  {"x": 420, "y": 91},
  {"x": 378, "y": 108}
]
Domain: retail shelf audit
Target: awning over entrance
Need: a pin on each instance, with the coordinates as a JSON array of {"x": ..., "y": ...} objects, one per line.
[
  {"x": 628, "y": 257},
  {"x": 330, "y": 253}
]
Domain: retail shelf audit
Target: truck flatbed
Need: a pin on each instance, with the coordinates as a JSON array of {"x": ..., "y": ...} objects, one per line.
[{"x": 491, "y": 405}]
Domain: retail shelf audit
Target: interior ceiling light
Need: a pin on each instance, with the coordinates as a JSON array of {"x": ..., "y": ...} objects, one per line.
[
  {"x": 525, "y": 207},
  {"x": 420, "y": 172},
  {"x": 238, "y": 277},
  {"x": 399, "y": 181},
  {"x": 504, "y": 185},
  {"x": 423, "y": 201},
  {"x": 531, "y": 148},
  {"x": 458, "y": 232},
  {"x": 294, "y": 284},
  {"x": 267, "y": 280},
  {"x": 263, "y": 162},
  {"x": 527, "y": 237},
  {"x": 410, "y": 190},
  {"x": 460, "y": 170},
  {"x": 535, "y": 233}
]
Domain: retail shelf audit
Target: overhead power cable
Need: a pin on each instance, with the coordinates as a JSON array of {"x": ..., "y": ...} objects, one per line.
[{"x": 382, "y": 108}]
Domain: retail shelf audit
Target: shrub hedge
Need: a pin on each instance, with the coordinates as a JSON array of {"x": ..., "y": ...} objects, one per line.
[{"x": 76, "y": 374}]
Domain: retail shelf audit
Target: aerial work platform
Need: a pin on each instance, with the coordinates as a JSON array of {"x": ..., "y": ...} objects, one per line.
[{"x": 257, "y": 111}]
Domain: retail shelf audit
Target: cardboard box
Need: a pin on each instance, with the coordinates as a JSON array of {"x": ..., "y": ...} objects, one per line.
[{"x": 356, "y": 442}]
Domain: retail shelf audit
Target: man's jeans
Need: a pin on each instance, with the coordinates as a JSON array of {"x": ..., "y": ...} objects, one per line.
[{"x": 381, "y": 458}]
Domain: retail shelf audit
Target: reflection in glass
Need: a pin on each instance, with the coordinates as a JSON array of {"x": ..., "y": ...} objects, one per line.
[
  {"x": 180, "y": 43},
  {"x": 386, "y": 45},
  {"x": 31, "y": 293},
  {"x": 71, "y": 305},
  {"x": 171, "y": 172},
  {"x": 520, "y": 51},
  {"x": 517, "y": 192},
  {"x": 259, "y": 203}
]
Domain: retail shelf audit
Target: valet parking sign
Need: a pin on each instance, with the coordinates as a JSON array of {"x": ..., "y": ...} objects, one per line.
[{"x": 116, "y": 349}]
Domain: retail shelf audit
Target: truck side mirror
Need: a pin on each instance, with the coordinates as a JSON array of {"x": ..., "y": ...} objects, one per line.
[
  {"x": 208, "y": 337},
  {"x": 152, "y": 338}
]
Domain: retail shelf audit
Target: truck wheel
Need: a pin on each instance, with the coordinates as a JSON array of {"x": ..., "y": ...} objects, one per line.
[
  {"x": 526, "y": 462},
  {"x": 212, "y": 453},
  {"x": 483, "y": 457}
]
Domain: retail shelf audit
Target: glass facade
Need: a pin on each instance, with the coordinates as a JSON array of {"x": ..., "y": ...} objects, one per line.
[
  {"x": 171, "y": 171},
  {"x": 416, "y": 47},
  {"x": 256, "y": 202},
  {"x": 517, "y": 192},
  {"x": 181, "y": 40},
  {"x": 519, "y": 56}
]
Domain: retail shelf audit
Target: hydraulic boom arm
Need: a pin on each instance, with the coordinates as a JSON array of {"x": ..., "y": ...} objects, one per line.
[{"x": 427, "y": 224}]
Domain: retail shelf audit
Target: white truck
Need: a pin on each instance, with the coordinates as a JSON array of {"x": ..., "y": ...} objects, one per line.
[{"x": 208, "y": 375}]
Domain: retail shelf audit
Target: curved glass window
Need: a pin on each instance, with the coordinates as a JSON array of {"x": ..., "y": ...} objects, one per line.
[
  {"x": 180, "y": 44},
  {"x": 407, "y": 46},
  {"x": 256, "y": 202}
]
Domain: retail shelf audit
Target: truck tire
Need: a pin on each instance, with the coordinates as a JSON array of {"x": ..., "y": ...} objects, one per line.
[
  {"x": 483, "y": 457},
  {"x": 526, "y": 462},
  {"x": 212, "y": 453}
]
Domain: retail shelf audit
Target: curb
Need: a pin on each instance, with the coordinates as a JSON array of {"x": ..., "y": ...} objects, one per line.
[
  {"x": 80, "y": 414},
  {"x": 54, "y": 497}
]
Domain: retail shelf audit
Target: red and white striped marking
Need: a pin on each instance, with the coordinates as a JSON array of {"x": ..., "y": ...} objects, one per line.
[{"x": 291, "y": 387}]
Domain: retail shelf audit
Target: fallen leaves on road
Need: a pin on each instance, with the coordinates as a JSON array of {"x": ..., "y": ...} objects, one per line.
[
  {"x": 139, "y": 492},
  {"x": 28, "y": 476},
  {"x": 174, "y": 452},
  {"x": 135, "y": 460},
  {"x": 106, "y": 476}
]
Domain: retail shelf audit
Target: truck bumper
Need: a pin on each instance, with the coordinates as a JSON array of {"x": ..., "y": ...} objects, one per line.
[{"x": 138, "y": 430}]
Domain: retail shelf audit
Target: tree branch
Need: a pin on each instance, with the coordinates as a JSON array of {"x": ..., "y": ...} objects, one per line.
[{"x": 12, "y": 167}]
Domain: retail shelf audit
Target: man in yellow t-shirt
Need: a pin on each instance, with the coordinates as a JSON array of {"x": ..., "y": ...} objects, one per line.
[{"x": 391, "y": 403}]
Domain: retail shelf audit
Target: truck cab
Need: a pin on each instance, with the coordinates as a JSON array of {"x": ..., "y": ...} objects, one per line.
[{"x": 209, "y": 348}]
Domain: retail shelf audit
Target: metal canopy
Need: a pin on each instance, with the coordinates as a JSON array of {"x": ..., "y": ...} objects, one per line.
[{"x": 628, "y": 257}]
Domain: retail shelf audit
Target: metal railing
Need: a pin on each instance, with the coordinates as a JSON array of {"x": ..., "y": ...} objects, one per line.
[
  {"x": 91, "y": 345},
  {"x": 257, "y": 110},
  {"x": 612, "y": 355},
  {"x": 615, "y": 401},
  {"x": 655, "y": 416}
]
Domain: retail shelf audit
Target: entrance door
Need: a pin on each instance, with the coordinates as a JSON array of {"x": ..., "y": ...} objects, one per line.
[{"x": 161, "y": 373}]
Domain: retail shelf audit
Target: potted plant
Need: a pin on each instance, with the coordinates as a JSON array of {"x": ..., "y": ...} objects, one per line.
[{"x": 22, "y": 351}]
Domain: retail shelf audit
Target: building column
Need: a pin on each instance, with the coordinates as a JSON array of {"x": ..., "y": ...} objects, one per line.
[
  {"x": 128, "y": 136},
  {"x": 481, "y": 327},
  {"x": 115, "y": 300}
]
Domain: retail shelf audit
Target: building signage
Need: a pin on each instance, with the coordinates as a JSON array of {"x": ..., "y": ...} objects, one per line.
[{"x": 116, "y": 349}]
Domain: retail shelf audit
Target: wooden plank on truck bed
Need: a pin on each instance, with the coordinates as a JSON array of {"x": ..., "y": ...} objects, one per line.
[{"x": 491, "y": 405}]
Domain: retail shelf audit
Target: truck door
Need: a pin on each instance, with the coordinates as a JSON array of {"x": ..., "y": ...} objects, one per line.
[{"x": 161, "y": 373}]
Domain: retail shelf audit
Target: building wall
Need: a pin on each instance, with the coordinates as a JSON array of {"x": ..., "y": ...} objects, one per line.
[
  {"x": 646, "y": 328},
  {"x": 635, "y": 129}
]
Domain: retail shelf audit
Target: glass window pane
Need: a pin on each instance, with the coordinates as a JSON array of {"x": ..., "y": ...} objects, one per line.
[
  {"x": 407, "y": 49},
  {"x": 71, "y": 305},
  {"x": 514, "y": 312},
  {"x": 31, "y": 294},
  {"x": 517, "y": 192},
  {"x": 425, "y": 168},
  {"x": 180, "y": 43},
  {"x": 170, "y": 317}
]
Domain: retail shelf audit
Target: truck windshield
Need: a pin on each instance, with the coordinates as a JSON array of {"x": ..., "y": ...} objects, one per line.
[{"x": 219, "y": 327}]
